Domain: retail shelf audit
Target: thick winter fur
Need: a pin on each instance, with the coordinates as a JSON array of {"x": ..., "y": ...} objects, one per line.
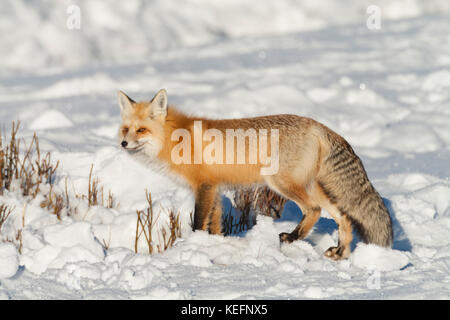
[{"x": 318, "y": 170}]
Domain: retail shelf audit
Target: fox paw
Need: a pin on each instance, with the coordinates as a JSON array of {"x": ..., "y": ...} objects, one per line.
[
  {"x": 337, "y": 253},
  {"x": 287, "y": 237}
]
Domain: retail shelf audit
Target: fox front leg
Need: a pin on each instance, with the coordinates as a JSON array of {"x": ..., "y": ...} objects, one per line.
[{"x": 205, "y": 200}]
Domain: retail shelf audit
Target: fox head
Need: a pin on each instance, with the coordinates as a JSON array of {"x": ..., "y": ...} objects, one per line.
[{"x": 142, "y": 128}]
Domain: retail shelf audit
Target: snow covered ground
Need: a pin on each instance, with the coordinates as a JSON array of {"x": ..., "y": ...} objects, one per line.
[{"x": 387, "y": 91}]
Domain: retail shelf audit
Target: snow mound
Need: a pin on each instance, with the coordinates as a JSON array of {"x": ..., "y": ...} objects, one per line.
[
  {"x": 50, "y": 119},
  {"x": 67, "y": 236},
  {"x": 437, "y": 195},
  {"x": 373, "y": 257},
  {"x": 64, "y": 244},
  {"x": 9, "y": 261}
]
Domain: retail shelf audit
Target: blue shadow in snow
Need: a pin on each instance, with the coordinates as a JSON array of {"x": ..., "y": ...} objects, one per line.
[
  {"x": 401, "y": 241},
  {"x": 231, "y": 214},
  {"x": 292, "y": 213}
]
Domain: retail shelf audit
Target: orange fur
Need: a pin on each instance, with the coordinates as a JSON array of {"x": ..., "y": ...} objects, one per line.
[{"x": 214, "y": 174}]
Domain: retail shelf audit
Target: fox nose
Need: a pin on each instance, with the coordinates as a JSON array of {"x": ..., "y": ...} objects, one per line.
[{"x": 124, "y": 143}]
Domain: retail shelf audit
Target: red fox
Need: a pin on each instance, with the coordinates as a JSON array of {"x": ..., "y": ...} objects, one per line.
[{"x": 309, "y": 164}]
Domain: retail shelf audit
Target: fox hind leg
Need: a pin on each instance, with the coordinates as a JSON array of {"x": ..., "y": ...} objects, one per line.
[
  {"x": 329, "y": 202},
  {"x": 311, "y": 212},
  {"x": 342, "y": 250},
  {"x": 310, "y": 216}
]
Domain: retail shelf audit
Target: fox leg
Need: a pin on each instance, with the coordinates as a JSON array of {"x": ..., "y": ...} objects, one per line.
[
  {"x": 215, "y": 219},
  {"x": 342, "y": 250},
  {"x": 310, "y": 216},
  {"x": 311, "y": 212},
  {"x": 205, "y": 199},
  {"x": 329, "y": 202},
  {"x": 345, "y": 235}
]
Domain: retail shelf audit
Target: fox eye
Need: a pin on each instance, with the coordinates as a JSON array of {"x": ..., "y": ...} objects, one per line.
[
  {"x": 141, "y": 130},
  {"x": 124, "y": 130}
]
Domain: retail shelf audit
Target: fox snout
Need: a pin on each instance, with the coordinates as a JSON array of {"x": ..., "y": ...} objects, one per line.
[{"x": 131, "y": 145}]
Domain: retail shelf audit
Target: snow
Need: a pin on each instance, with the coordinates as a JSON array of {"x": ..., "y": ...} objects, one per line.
[
  {"x": 386, "y": 91},
  {"x": 377, "y": 258},
  {"x": 50, "y": 119},
  {"x": 9, "y": 260}
]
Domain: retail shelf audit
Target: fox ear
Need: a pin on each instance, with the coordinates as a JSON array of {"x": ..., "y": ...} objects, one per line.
[
  {"x": 159, "y": 104},
  {"x": 125, "y": 102}
]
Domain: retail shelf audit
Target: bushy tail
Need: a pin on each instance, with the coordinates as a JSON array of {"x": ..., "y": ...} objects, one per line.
[
  {"x": 372, "y": 221},
  {"x": 356, "y": 197}
]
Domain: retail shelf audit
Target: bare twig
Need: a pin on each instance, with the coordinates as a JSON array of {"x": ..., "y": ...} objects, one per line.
[{"x": 5, "y": 212}]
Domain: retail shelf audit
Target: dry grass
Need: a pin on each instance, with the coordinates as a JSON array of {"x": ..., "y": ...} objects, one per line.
[
  {"x": 54, "y": 203},
  {"x": 32, "y": 174},
  {"x": 95, "y": 194},
  {"x": 5, "y": 212},
  {"x": 261, "y": 199},
  {"x": 268, "y": 202},
  {"x": 175, "y": 232},
  {"x": 93, "y": 186},
  {"x": 18, "y": 239},
  {"x": 249, "y": 202},
  {"x": 233, "y": 225},
  {"x": 29, "y": 171},
  {"x": 144, "y": 226}
]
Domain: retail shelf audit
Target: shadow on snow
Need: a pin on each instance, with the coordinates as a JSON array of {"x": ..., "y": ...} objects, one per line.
[{"x": 292, "y": 213}]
